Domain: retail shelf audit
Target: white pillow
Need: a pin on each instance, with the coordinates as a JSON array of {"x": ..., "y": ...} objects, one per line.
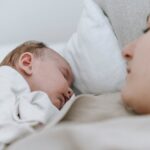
[{"x": 94, "y": 54}]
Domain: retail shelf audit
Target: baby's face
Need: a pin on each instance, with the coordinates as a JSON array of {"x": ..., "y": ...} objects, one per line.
[{"x": 54, "y": 79}]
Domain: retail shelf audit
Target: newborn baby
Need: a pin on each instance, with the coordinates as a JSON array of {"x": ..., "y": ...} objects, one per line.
[
  {"x": 43, "y": 69},
  {"x": 35, "y": 84}
]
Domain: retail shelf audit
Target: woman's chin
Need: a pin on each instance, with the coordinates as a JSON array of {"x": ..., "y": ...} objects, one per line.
[{"x": 126, "y": 96}]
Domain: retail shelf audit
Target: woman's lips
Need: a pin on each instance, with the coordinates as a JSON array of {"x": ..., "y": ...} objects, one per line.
[{"x": 128, "y": 70}]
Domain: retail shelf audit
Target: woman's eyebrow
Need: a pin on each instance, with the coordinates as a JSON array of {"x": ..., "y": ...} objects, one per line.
[{"x": 146, "y": 30}]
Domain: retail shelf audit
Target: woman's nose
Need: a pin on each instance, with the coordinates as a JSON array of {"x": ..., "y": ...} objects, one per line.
[{"x": 128, "y": 51}]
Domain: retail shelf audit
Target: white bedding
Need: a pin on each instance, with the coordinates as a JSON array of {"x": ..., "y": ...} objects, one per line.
[
  {"x": 108, "y": 125},
  {"x": 121, "y": 134},
  {"x": 21, "y": 111}
]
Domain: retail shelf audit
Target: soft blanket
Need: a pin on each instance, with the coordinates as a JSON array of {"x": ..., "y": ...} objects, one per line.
[
  {"x": 21, "y": 111},
  {"x": 92, "y": 122}
]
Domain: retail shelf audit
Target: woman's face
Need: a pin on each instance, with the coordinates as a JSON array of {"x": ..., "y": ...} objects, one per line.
[{"x": 136, "y": 91}]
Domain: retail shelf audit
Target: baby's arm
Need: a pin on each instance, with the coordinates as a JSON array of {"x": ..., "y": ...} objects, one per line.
[
  {"x": 20, "y": 113},
  {"x": 34, "y": 108}
]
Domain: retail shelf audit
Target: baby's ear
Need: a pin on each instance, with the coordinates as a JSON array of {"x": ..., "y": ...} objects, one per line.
[{"x": 25, "y": 63}]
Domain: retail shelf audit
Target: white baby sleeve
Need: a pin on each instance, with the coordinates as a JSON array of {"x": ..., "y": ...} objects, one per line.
[
  {"x": 34, "y": 108},
  {"x": 20, "y": 109}
]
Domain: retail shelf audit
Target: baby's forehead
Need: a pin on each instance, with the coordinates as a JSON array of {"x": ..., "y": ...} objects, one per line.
[
  {"x": 61, "y": 62},
  {"x": 56, "y": 57}
]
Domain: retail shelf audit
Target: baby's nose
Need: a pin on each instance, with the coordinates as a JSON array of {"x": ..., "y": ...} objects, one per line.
[{"x": 69, "y": 93}]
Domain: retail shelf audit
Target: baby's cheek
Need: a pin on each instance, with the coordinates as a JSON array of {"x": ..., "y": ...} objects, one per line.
[{"x": 56, "y": 103}]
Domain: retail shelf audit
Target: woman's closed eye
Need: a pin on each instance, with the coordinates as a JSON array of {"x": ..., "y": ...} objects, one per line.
[{"x": 146, "y": 30}]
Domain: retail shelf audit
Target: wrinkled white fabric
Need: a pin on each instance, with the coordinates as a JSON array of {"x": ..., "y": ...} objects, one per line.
[{"x": 20, "y": 109}]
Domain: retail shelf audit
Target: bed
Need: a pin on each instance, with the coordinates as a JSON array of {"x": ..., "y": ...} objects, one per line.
[{"x": 96, "y": 118}]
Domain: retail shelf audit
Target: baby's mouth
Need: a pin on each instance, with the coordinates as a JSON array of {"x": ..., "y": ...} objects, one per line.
[{"x": 63, "y": 99}]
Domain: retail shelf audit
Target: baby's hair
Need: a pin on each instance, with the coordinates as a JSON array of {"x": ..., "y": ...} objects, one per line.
[
  {"x": 39, "y": 50},
  {"x": 34, "y": 47}
]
